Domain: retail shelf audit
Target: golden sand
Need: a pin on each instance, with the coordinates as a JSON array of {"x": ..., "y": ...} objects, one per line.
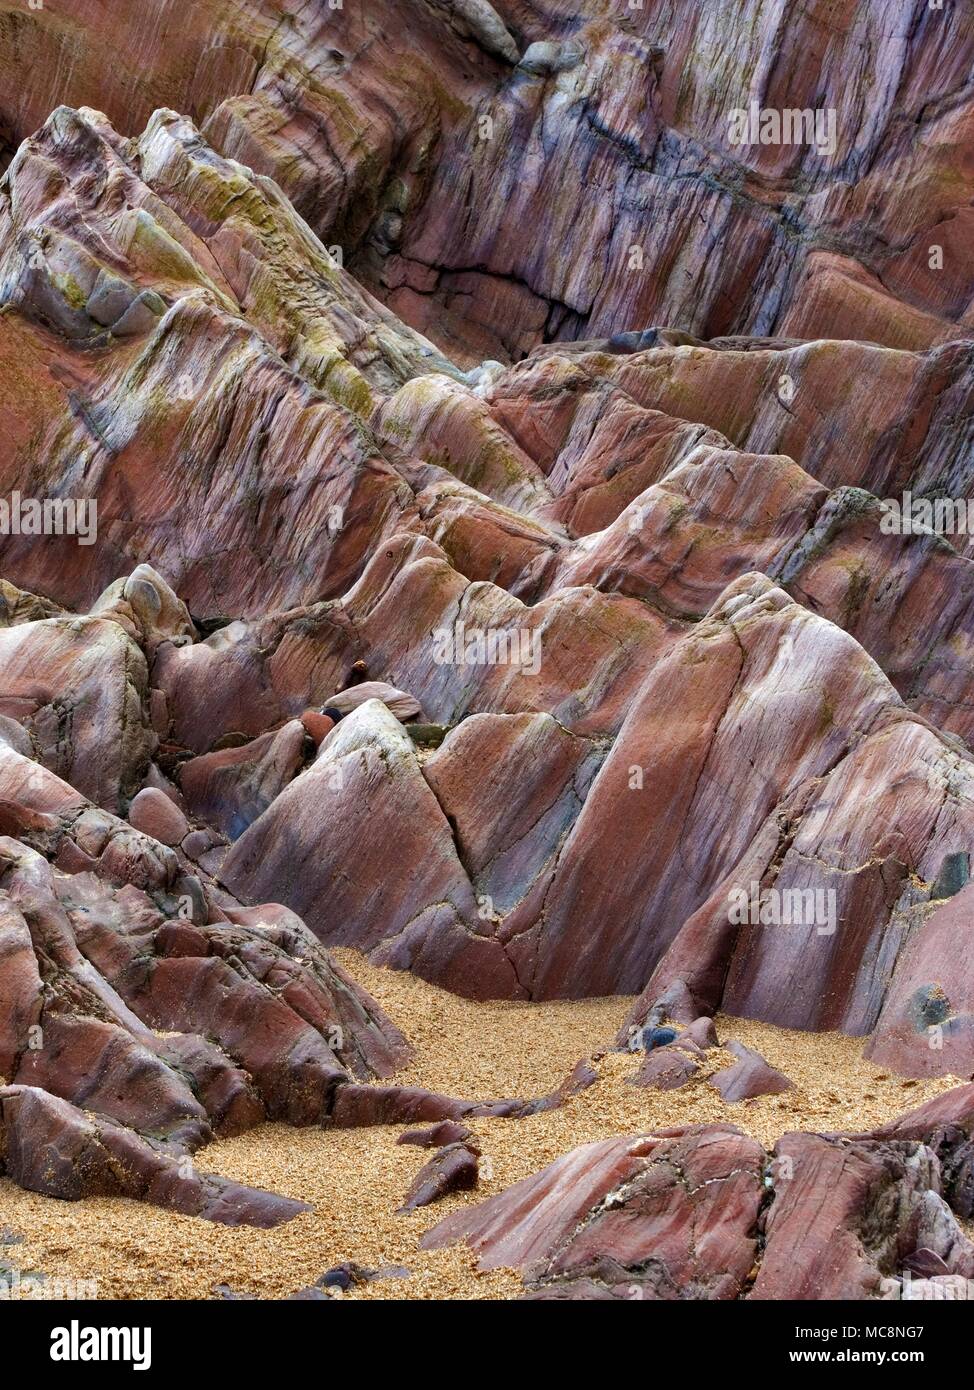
[{"x": 355, "y": 1179}]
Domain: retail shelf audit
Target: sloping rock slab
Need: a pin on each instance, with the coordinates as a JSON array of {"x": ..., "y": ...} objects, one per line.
[
  {"x": 848, "y": 1213},
  {"x": 673, "y": 1214},
  {"x": 52, "y": 1147}
]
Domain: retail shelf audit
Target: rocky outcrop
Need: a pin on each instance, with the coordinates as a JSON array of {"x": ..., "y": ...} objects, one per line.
[
  {"x": 488, "y": 391},
  {"x": 946, "y": 1125},
  {"x": 478, "y": 906},
  {"x": 56, "y": 1149},
  {"x": 654, "y": 1217},
  {"x": 850, "y": 1215},
  {"x": 612, "y": 135},
  {"x": 365, "y": 797},
  {"x": 926, "y": 1027},
  {"x": 144, "y": 1012},
  {"x": 705, "y": 1213}
]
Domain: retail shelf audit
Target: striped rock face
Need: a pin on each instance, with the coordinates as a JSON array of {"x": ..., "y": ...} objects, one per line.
[{"x": 575, "y": 401}]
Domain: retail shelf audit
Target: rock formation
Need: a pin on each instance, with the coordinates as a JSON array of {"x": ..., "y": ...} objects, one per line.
[
  {"x": 705, "y": 1213},
  {"x": 491, "y": 367}
]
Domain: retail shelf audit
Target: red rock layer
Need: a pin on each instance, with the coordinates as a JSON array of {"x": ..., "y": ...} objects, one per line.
[{"x": 703, "y": 666}]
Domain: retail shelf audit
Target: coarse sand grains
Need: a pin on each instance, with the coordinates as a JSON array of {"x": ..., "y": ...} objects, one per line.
[{"x": 355, "y": 1179}]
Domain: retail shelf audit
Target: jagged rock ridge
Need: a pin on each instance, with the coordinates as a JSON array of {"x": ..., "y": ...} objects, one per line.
[{"x": 325, "y": 403}]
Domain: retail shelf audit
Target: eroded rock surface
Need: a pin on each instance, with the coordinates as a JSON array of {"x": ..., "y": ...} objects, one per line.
[
  {"x": 705, "y": 1213},
  {"x": 654, "y": 1217},
  {"x": 487, "y": 366}
]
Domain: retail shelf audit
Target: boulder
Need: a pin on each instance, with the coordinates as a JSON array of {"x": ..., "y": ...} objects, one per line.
[
  {"x": 749, "y": 1076},
  {"x": 232, "y": 787},
  {"x": 156, "y": 815},
  {"x": 436, "y": 1136},
  {"x": 400, "y": 704},
  {"x": 453, "y": 1169}
]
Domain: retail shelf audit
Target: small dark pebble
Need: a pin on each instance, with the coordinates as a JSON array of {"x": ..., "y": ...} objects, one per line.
[
  {"x": 658, "y": 1037},
  {"x": 343, "y": 1276}
]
